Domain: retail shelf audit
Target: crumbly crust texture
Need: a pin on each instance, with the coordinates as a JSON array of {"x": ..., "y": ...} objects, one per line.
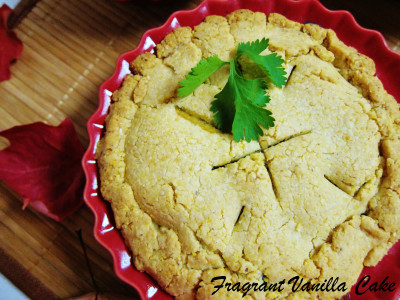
[{"x": 317, "y": 196}]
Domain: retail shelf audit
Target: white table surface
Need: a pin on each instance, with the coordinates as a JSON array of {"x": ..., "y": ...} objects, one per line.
[
  {"x": 9, "y": 292},
  {"x": 10, "y": 3}
]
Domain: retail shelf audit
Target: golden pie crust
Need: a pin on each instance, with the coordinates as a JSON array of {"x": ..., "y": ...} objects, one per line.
[{"x": 317, "y": 196}]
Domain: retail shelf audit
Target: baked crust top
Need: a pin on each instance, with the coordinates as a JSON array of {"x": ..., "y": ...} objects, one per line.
[{"x": 317, "y": 196}]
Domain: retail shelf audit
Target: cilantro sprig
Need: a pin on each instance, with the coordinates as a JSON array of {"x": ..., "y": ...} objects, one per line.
[
  {"x": 240, "y": 106},
  {"x": 204, "y": 69}
]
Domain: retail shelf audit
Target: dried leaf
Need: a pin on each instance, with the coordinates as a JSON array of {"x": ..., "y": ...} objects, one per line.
[
  {"x": 10, "y": 44},
  {"x": 43, "y": 165}
]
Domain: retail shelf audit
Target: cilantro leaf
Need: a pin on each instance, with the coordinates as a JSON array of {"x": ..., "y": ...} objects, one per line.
[
  {"x": 204, "y": 69},
  {"x": 239, "y": 107},
  {"x": 270, "y": 64},
  {"x": 255, "y": 47}
]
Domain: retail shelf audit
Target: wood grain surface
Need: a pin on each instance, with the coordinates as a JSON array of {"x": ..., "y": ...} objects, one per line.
[{"x": 70, "y": 48}]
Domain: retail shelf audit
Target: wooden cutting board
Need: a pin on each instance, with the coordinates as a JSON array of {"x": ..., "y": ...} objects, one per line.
[{"x": 70, "y": 48}]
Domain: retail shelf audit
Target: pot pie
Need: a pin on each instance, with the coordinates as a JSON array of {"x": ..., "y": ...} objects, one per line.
[{"x": 317, "y": 196}]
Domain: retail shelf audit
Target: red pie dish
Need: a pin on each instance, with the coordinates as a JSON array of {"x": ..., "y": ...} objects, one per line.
[{"x": 368, "y": 42}]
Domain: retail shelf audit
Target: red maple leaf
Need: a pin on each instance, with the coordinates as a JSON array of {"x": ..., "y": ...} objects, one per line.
[
  {"x": 43, "y": 165},
  {"x": 10, "y": 44}
]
